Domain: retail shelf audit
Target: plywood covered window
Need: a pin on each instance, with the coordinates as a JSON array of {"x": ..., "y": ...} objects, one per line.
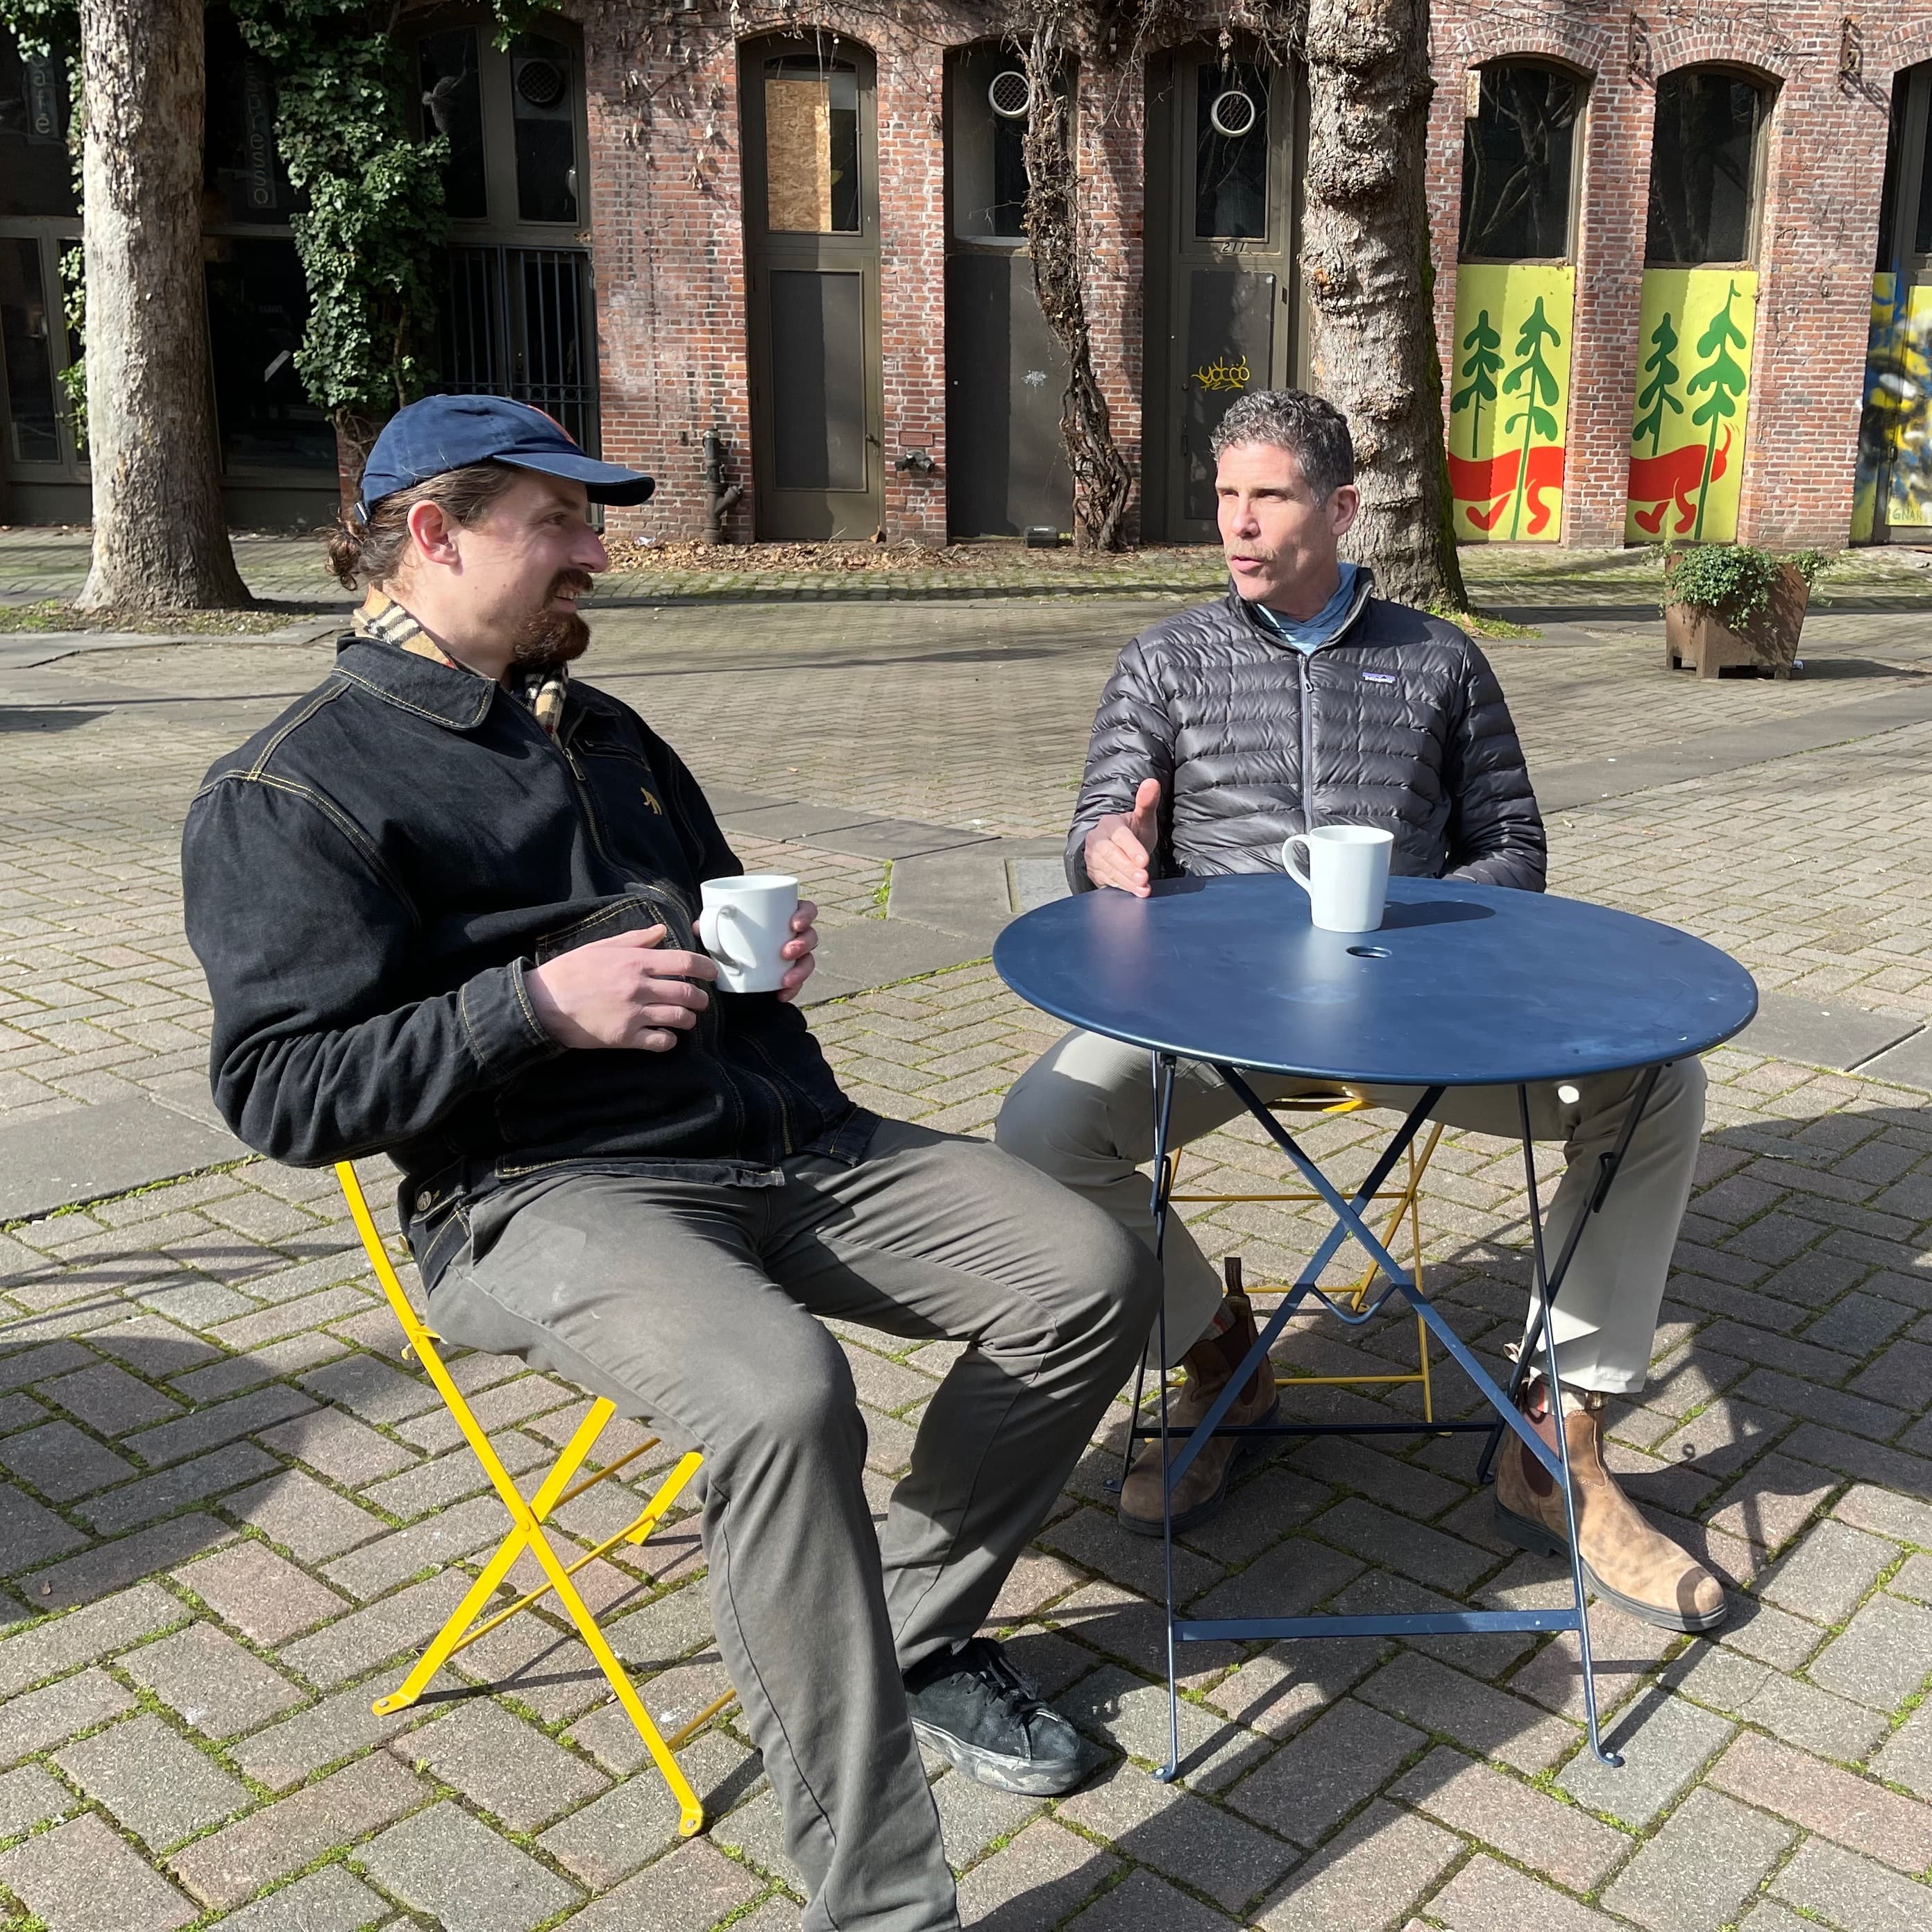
[
  {"x": 811, "y": 146},
  {"x": 1705, "y": 161},
  {"x": 1519, "y": 164}
]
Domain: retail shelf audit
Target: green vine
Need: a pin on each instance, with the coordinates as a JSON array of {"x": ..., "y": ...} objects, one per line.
[
  {"x": 73, "y": 313},
  {"x": 40, "y": 26},
  {"x": 367, "y": 240}
]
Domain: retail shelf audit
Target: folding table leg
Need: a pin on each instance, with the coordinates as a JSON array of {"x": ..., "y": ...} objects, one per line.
[
  {"x": 1349, "y": 1222},
  {"x": 1163, "y": 1185},
  {"x": 1545, "y": 1293},
  {"x": 1608, "y": 1166},
  {"x": 1348, "y": 1219}
]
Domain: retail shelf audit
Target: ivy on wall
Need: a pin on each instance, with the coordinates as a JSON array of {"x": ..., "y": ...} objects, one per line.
[
  {"x": 375, "y": 200},
  {"x": 368, "y": 239}
]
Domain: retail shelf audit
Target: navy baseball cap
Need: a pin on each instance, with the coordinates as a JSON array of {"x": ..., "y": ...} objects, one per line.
[{"x": 443, "y": 432}]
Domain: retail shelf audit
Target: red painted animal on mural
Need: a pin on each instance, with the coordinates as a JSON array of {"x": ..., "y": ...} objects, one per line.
[
  {"x": 1670, "y": 476},
  {"x": 1483, "y": 485}
]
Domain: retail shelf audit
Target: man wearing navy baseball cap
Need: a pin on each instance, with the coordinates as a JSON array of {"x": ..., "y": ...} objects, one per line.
[{"x": 446, "y": 907}]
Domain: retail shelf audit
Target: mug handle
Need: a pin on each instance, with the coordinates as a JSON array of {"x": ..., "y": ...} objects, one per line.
[
  {"x": 1295, "y": 872},
  {"x": 710, "y": 925}
]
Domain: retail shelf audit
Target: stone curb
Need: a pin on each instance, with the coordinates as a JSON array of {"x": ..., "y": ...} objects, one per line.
[
  {"x": 23, "y": 650},
  {"x": 1570, "y": 788}
]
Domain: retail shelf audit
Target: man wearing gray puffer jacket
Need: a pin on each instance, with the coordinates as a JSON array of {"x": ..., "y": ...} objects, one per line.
[{"x": 1303, "y": 699}]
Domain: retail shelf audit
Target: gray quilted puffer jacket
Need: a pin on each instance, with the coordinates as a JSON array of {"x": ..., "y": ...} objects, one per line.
[{"x": 1397, "y": 721}]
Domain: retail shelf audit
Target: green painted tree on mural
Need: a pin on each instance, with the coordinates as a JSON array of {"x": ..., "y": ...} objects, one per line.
[
  {"x": 1727, "y": 379},
  {"x": 1484, "y": 344},
  {"x": 1655, "y": 398},
  {"x": 1533, "y": 375}
]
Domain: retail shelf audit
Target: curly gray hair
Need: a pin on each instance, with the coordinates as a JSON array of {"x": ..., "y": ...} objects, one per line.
[{"x": 1313, "y": 431}]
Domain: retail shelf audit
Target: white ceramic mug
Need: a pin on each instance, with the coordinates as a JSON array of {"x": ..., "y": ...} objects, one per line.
[
  {"x": 1346, "y": 876},
  {"x": 744, "y": 923}
]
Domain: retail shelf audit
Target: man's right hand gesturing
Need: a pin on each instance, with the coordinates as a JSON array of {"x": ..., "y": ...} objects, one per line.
[
  {"x": 1119, "y": 850},
  {"x": 624, "y": 991}
]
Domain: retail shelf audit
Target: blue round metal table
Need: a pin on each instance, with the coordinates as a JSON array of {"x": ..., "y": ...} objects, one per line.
[{"x": 1462, "y": 986}]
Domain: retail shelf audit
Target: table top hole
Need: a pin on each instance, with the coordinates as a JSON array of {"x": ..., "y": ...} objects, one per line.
[{"x": 1370, "y": 952}]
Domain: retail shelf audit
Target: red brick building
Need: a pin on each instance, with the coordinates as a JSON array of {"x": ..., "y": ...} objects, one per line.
[{"x": 799, "y": 227}]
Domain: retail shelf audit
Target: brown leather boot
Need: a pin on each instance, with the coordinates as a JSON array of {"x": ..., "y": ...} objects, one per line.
[
  {"x": 1625, "y": 1561},
  {"x": 1208, "y": 1365}
]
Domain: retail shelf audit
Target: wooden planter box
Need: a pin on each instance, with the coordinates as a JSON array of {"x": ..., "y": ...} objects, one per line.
[{"x": 1696, "y": 636}]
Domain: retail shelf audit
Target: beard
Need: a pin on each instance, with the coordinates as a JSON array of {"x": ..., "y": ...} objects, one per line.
[{"x": 550, "y": 639}]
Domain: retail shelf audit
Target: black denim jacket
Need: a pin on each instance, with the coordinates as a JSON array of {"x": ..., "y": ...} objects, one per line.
[{"x": 368, "y": 880}]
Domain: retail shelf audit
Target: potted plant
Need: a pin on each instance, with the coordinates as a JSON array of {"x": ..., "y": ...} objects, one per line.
[{"x": 1729, "y": 606}]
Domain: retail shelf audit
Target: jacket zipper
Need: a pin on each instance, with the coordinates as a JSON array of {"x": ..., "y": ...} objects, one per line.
[
  {"x": 585, "y": 802},
  {"x": 709, "y": 1021},
  {"x": 1307, "y": 748}
]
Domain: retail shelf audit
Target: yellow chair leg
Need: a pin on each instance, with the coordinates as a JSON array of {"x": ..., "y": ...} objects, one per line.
[
  {"x": 526, "y": 1519},
  {"x": 1407, "y": 1208},
  {"x": 454, "y": 1634}
]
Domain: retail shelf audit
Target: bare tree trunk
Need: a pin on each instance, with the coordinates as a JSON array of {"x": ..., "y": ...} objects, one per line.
[
  {"x": 160, "y": 541},
  {"x": 1103, "y": 483},
  {"x": 1365, "y": 263}
]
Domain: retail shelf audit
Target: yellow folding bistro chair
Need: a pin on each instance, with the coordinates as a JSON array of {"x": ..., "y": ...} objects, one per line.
[
  {"x": 526, "y": 1518},
  {"x": 1406, "y": 1197}
]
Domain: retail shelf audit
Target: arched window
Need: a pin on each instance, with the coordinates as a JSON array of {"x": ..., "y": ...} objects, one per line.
[
  {"x": 1706, "y": 160},
  {"x": 986, "y": 124},
  {"x": 1519, "y": 163},
  {"x": 1005, "y": 374},
  {"x": 810, "y": 135}
]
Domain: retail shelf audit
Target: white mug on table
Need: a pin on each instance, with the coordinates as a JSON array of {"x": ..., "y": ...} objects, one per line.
[
  {"x": 1345, "y": 875},
  {"x": 744, "y": 923}
]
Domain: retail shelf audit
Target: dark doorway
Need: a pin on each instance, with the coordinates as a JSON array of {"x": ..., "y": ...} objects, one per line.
[
  {"x": 1224, "y": 312},
  {"x": 812, "y": 235},
  {"x": 1006, "y": 375}
]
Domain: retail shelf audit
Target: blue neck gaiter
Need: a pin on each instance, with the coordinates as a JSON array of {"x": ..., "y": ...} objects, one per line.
[{"x": 1310, "y": 633}]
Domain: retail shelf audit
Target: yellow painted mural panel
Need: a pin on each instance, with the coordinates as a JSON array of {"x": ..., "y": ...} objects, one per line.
[
  {"x": 1895, "y": 436},
  {"x": 1692, "y": 393},
  {"x": 1509, "y": 406}
]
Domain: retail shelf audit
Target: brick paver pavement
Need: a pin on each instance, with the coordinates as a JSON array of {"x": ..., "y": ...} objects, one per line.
[{"x": 228, "y": 1510}]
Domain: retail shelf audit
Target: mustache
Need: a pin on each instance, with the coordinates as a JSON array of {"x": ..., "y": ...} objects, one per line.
[{"x": 578, "y": 581}]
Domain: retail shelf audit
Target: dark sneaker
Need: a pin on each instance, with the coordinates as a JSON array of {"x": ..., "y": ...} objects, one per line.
[{"x": 975, "y": 1709}]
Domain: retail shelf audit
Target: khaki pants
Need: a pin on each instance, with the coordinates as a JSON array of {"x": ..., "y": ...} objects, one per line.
[
  {"x": 1084, "y": 1113},
  {"x": 705, "y": 1306}
]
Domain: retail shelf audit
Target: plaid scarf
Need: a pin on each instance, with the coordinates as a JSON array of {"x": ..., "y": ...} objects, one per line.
[{"x": 384, "y": 621}]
